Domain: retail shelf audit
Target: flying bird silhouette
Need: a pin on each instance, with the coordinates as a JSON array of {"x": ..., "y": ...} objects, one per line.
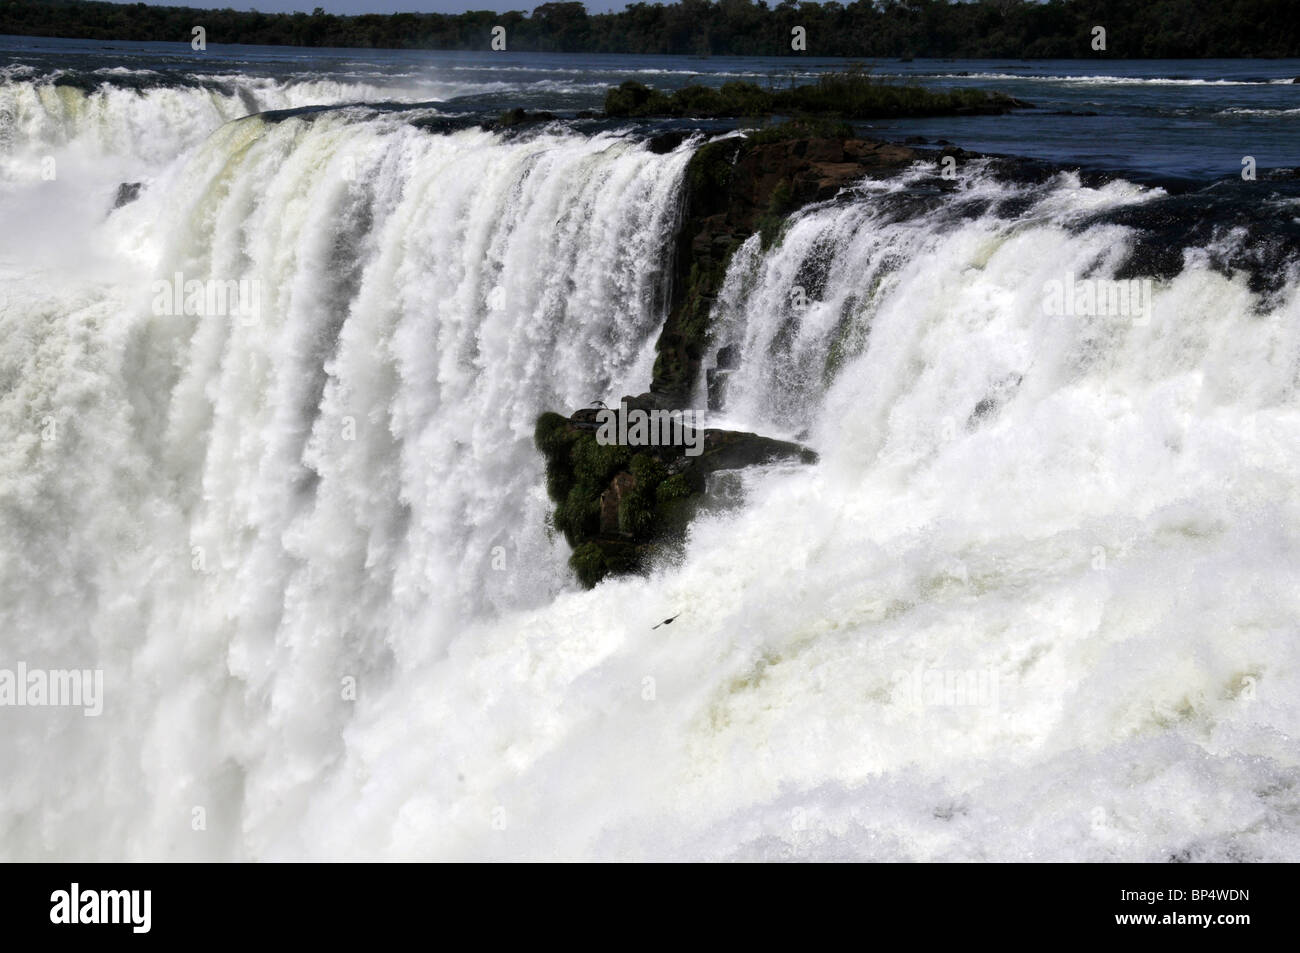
[{"x": 665, "y": 622}]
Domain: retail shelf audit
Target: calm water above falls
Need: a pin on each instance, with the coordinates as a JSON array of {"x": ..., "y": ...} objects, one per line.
[{"x": 1153, "y": 118}]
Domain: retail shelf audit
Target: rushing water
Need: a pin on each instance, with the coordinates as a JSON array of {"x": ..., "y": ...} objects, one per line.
[{"x": 307, "y": 546}]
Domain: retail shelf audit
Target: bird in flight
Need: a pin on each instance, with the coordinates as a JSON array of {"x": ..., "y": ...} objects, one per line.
[{"x": 665, "y": 622}]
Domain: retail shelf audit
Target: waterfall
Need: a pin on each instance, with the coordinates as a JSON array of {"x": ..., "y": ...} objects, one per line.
[{"x": 307, "y": 542}]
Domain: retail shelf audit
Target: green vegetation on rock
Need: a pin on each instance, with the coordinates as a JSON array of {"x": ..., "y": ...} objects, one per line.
[
  {"x": 850, "y": 94},
  {"x": 577, "y": 473},
  {"x": 618, "y": 506}
]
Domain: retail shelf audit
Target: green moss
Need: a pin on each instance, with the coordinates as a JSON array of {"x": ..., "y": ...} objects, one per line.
[
  {"x": 678, "y": 499},
  {"x": 594, "y": 465},
  {"x": 636, "y": 511},
  {"x": 579, "y": 515},
  {"x": 592, "y": 561},
  {"x": 676, "y": 487},
  {"x": 559, "y": 482},
  {"x": 635, "y": 515},
  {"x": 713, "y": 165},
  {"x": 551, "y": 434},
  {"x": 779, "y": 206},
  {"x": 553, "y": 437},
  {"x": 770, "y": 227},
  {"x": 782, "y": 199},
  {"x": 673, "y": 520},
  {"x": 648, "y": 471},
  {"x": 802, "y": 128},
  {"x": 588, "y": 562},
  {"x": 578, "y": 469}
]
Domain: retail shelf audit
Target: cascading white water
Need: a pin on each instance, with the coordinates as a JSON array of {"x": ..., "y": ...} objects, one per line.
[
  {"x": 234, "y": 518},
  {"x": 137, "y": 114},
  {"x": 350, "y": 478}
]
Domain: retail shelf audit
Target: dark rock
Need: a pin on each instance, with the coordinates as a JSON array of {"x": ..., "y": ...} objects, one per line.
[
  {"x": 1239, "y": 234},
  {"x": 728, "y": 357},
  {"x": 646, "y": 401},
  {"x": 734, "y": 449},
  {"x": 127, "y": 193},
  {"x": 666, "y": 142},
  {"x": 715, "y": 378},
  {"x": 618, "y": 506},
  {"x": 442, "y": 125},
  {"x": 988, "y": 405},
  {"x": 519, "y": 116},
  {"x": 619, "y": 488},
  {"x": 715, "y": 385}
]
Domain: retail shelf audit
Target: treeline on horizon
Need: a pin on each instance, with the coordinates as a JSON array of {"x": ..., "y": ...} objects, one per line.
[{"x": 885, "y": 28}]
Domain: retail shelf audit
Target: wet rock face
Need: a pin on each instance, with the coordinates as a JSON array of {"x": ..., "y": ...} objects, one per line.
[
  {"x": 1236, "y": 220},
  {"x": 666, "y": 142},
  {"x": 734, "y": 188},
  {"x": 619, "y": 490},
  {"x": 715, "y": 378}
]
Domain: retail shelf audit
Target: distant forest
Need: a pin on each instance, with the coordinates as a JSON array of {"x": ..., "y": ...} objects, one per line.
[{"x": 885, "y": 28}]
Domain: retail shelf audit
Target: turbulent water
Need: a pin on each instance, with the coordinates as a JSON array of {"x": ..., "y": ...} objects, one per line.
[{"x": 307, "y": 546}]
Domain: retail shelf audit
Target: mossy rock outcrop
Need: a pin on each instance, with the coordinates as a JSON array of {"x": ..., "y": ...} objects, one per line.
[{"x": 619, "y": 505}]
